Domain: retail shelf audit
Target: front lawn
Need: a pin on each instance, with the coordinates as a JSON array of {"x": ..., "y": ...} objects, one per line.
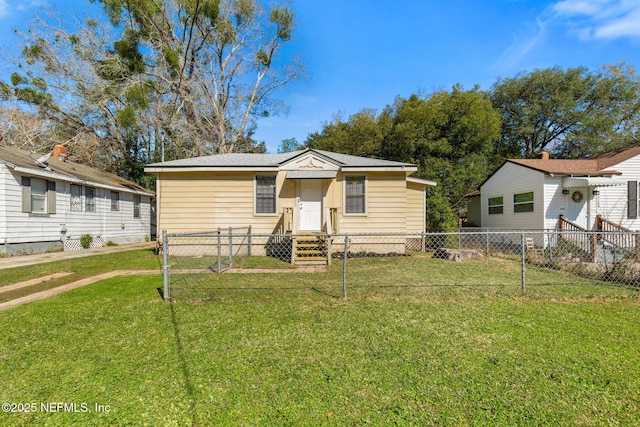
[
  {"x": 80, "y": 268},
  {"x": 456, "y": 345}
]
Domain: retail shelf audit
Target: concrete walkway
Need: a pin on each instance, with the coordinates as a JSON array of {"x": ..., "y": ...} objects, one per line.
[
  {"x": 26, "y": 260},
  {"x": 32, "y": 282},
  {"x": 67, "y": 287},
  {"x": 23, "y": 260}
]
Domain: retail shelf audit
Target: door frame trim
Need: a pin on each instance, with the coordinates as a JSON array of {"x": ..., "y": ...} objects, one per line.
[{"x": 323, "y": 201}]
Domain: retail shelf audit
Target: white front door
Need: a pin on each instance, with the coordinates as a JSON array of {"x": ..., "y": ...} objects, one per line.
[
  {"x": 577, "y": 211},
  {"x": 311, "y": 204}
]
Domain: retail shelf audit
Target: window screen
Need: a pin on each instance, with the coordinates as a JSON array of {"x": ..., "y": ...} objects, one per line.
[{"x": 265, "y": 194}]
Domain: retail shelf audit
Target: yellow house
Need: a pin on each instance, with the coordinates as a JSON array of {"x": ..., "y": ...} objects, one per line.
[{"x": 302, "y": 192}]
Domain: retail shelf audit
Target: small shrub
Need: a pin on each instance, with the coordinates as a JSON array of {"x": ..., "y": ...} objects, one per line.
[
  {"x": 111, "y": 243},
  {"x": 85, "y": 240}
]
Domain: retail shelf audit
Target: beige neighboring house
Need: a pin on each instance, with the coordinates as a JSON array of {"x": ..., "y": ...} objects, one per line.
[{"x": 302, "y": 192}]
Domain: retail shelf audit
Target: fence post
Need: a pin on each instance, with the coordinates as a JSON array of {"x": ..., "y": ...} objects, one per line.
[
  {"x": 523, "y": 255},
  {"x": 344, "y": 266},
  {"x": 249, "y": 241},
  {"x": 219, "y": 250},
  {"x": 487, "y": 242},
  {"x": 230, "y": 247},
  {"x": 165, "y": 265}
]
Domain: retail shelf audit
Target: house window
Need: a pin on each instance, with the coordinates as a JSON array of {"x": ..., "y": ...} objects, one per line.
[
  {"x": 265, "y": 201},
  {"x": 76, "y": 198},
  {"x": 38, "y": 195},
  {"x": 632, "y": 199},
  {"x": 523, "y": 202},
  {"x": 355, "y": 194},
  {"x": 136, "y": 206},
  {"x": 115, "y": 201},
  {"x": 496, "y": 205},
  {"x": 90, "y": 199}
]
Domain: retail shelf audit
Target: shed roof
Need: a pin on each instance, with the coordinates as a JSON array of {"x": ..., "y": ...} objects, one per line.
[{"x": 27, "y": 163}]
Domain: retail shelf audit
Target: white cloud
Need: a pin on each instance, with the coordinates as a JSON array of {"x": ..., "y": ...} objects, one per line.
[
  {"x": 521, "y": 46},
  {"x": 31, "y": 4},
  {"x": 4, "y": 8},
  {"x": 600, "y": 19},
  {"x": 7, "y": 10},
  {"x": 626, "y": 26},
  {"x": 579, "y": 7}
]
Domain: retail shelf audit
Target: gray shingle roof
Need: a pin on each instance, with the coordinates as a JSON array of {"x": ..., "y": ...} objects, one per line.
[
  {"x": 274, "y": 160},
  {"x": 230, "y": 160},
  {"x": 349, "y": 160},
  {"x": 12, "y": 157}
]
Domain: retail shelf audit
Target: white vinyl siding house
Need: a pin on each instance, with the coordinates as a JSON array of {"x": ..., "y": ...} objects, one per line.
[
  {"x": 614, "y": 202},
  {"x": 604, "y": 185},
  {"x": 49, "y": 208},
  {"x": 502, "y": 186}
]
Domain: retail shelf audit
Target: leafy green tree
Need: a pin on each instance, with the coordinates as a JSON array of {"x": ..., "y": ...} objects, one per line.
[
  {"x": 361, "y": 135},
  {"x": 440, "y": 216},
  {"x": 449, "y": 135},
  {"x": 194, "y": 72},
  {"x": 288, "y": 145},
  {"x": 570, "y": 112}
]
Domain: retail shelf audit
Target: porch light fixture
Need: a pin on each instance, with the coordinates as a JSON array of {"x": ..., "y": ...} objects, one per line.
[
  {"x": 565, "y": 192},
  {"x": 595, "y": 192}
]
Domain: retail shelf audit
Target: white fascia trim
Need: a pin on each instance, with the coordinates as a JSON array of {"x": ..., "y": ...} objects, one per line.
[
  {"x": 426, "y": 182},
  {"x": 379, "y": 169},
  {"x": 162, "y": 169},
  {"x": 60, "y": 177}
]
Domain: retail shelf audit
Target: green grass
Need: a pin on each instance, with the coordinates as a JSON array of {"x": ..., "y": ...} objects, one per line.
[
  {"x": 143, "y": 259},
  {"x": 419, "y": 276},
  {"x": 418, "y": 342}
]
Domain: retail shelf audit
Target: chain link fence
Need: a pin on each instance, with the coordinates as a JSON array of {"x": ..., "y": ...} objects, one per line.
[{"x": 341, "y": 263}]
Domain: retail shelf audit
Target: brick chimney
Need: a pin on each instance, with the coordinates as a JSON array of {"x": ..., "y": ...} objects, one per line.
[
  {"x": 60, "y": 152},
  {"x": 544, "y": 155}
]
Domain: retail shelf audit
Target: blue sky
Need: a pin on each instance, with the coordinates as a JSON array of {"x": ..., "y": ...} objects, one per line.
[{"x": 363, "y": 53}]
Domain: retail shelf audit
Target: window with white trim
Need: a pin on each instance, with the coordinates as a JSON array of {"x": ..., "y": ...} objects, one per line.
[
  {"x": 496, "y": 205},
  {"x": 38, "y": 195},
  {"x": 76, "y": 198},
  {"x": 89, "y": 199},
  {"x": 632, "y": 199},
  {"x": 265, "y": 194},
  {"x": 136, "y": 206},
  {"x": 355, "y": 190},
  {"x": 523, "y": 202},
  {"x": 115, "y": 201}
]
